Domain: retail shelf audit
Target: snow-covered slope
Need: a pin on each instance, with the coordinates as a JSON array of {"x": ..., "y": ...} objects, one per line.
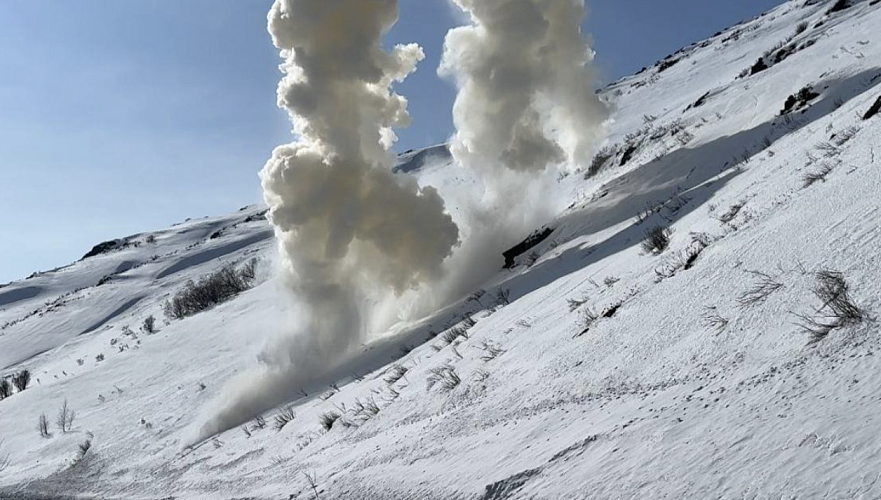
[{"x": 599, "y": 371}]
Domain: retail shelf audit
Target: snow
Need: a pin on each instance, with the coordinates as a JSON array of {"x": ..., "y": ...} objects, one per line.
[{"x": 652, "y": 402}]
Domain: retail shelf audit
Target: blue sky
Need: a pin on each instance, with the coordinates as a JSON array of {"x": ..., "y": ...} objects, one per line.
[{"x": 121, "y": 117}]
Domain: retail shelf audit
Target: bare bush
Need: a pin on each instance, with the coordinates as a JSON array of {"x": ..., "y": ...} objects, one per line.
[
  {"x": 327, "y": 395},
  {"x": 248, "y": 272},
  {"x": 284, "y": 417},
  {"x": 599, "y": 161},
  {"x": 149, "y": 325},
  {"x": 21, "y": 380},
  {"x": 764, "y": 286},
  {"x": 838, "y": 310},
  {"x": 328, "y": 419},
  {"x": 828, "y": 149},
  {"x": 476, "y": 296},
  {"x": 769, "y": 53},
  {"x": 5, "y": 389},
  {"x": 699, "y": 243},
  {"x": 259, "y": 422},
  {"x": 490, "y": 350},
  {"x": 64, "y": 420},
  {"x": 365, "y": 409},
  {"x": 588, "y": 318},
  {"x": 43, "y": 426},
  {"x": 834, "y": 291},
  {"x": 657, "y": 238},
  {"x": 684, "y": 138},
  {"x": 82, "y": 450},
  {"x": 712, "y": 319},
  {"x": 741, "y": 160},
  {"x": 312, "y": 480},
  {"x": 210, "y": 290},
  {"x": 732, "y": 213},
  {"x": 454, "y": 333},
  {"x": 811, "y": 178},
  {"x": 684, "y": 259},
  {"x": 845, "y": 136},
  {"x": 443, "y": 376},
  {"x": 395, "y": 373},
  {"x": 816, "y": 328},
  {"x": 575, "y": 304},
  {"x": 468, "y": 322},
  {"x": 666, "y": 270},
  {"x": 503, "y": 296}
]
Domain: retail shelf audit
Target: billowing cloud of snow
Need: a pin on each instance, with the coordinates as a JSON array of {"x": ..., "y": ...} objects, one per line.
[
  {"x": 523, "y": 68},
  {"x": 525, "y": 112},
  {"x": 358, "y": 244},
  {"x": 349, "y": 230}
]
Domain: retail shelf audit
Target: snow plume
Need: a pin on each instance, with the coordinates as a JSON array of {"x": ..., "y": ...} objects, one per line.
[
  {"x": 524, "y": 74},
  {"x": 525, "y": 111},
  {"x": 349, "y": 231}
]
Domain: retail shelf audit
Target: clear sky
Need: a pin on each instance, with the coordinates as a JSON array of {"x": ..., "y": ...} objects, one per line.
[{"x": 118, "y": 117}]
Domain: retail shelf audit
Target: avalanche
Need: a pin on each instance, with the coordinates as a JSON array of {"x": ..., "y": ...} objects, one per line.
[{"x": 718, "y": 367}]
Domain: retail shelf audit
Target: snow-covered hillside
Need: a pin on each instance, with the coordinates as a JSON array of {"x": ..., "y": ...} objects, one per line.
[{"x": 592, "y": 369}]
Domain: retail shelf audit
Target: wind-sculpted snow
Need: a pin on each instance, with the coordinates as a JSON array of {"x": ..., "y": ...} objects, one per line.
[
  {"x": 18, "y": 294},
  {"x": 213, "y": 253},
  {"x": 114, "y": 313}
]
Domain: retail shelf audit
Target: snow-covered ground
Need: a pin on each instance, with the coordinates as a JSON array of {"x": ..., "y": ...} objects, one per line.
[{"x": 682, "y": 387}]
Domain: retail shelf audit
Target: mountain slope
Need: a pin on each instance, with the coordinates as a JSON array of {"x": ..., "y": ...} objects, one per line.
[{"x": 593, "y": 369}]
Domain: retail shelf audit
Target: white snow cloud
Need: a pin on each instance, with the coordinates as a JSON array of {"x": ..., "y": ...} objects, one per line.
[
  {"x": 523, "y": 68},
  {"x": 349, "y": 231},
  {"x": 526, "y": 110},
  {"x": 358, "y": 244}
]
